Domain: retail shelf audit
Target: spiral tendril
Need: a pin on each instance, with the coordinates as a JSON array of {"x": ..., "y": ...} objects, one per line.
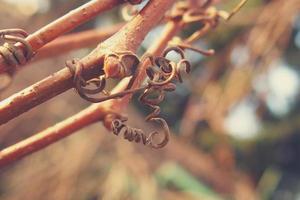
[
  {"x": 138, "y": 135},
  {"x": 207, "y": 17},
  {"x": 80, "y": 84},
  {"x": 13, "y": 55},
  {"x": 127, "y": 64},
  {"x": 160, "y": 74}
]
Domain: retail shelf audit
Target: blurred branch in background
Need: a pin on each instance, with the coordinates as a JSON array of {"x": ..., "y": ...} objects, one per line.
[
  {"x": 264, "y": 45},
  {"x": 76, "y": 41}
]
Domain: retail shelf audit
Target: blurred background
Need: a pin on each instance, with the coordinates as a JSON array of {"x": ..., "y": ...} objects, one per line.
[{"x": 235, "y": 120}]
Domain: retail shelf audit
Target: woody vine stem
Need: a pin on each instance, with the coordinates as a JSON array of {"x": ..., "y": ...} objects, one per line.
[{"x": 114, "y": 58}]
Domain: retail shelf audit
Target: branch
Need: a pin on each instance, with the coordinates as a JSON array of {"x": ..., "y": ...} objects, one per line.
[
  {"x": 75, "y": 41},
  {"x": 50, "y": 135},
  {"x": 128, "y": 38},
  {"x": 92, "y": 114},
  {"x": 64, "y": 24}
]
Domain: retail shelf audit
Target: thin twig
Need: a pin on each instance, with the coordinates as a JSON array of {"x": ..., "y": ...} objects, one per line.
[
  {"x": 50, "y": 135},
  {"x": 128, "y": 38}
]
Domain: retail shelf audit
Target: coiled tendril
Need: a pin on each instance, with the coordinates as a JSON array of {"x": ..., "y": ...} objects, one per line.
[
  {"x": 160, "y": 74},
  {"x": 13, "y": 55},
  {"x": 127, "y": 64},
  {"x": 138, "y": 135},
  {"x": 207, "y": 17},
  {"x": 80, "y": 84},
  {"x": 163, "y": 70}
]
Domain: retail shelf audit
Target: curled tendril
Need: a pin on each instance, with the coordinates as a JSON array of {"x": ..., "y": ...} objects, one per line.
[
  {"x": 165, "y": 70},
  {"x": 138, "y": 135},
  {"x": 132, "y": 134},
  {"x": 76, "y": 68},
  {"x": 12, "y": 55},
  {"x": 161, "y": 73},
  {"x": 207, "y": 17},
  {"x": 187, "y": 14},
  {"x": 127, "y": 63}
]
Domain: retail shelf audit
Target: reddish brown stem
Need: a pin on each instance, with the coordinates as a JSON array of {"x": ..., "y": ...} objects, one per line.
[
  {"x": 64, "y": 24},
  {"x": 128, "y": 38},
  {"x": 50, "y": 135}
]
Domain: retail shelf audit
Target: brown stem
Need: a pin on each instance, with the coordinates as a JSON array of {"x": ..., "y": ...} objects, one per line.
[
  {"x": 74, "y": 41},
  {"x": 50, "y": 135},
  {"x": 92, "y": 114},
  {"x": 64, "y": 24},
  {"x": 128, "y": 38}
]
